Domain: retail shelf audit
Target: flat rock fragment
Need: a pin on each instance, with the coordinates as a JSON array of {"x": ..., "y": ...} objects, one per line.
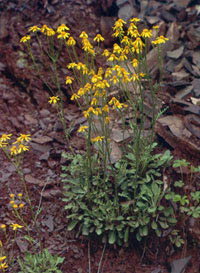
[
  {"x": 178, "y": 266},
  {"x": 175, "y": 54}
]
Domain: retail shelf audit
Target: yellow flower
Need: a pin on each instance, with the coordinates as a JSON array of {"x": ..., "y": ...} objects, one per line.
[
  {"x": 117, "y": 49},
  {"x": 135, "y": 33},
  {"x": 112, "y": 58},
  {"x": 106, "y": 108},
  {"x": 87, "y": 45},
  {"x": 12, "y": 202},
  {"x": 146, "y": 33},
  {"x": 5, "y": 137},
  {"x": 134, "y": 62},
  {"x": 3, "y": 226},
  {"x": 75, "y": 96},
  {"x": 97, "y": 111},
  {"x": 62, "y": 28},
  {"x": 53, "y": 99},
  {"x": 86, "y": 114},
  {"x": 118, "y": 32},
  {"x": 44, "y": 28},
  {"x": 97, "y": 139},
  {"x": 114, "y": 79},
  {"x": 96, "y": 78},
  {"x": 20, "y": 195},
  {"x": 81, "y": 92},
  {"x": 125, "y": 40},
  {"x": 34, "y": 29},
  {"x": 119, "y": 24},
  {"x": 99, "y": 38},
  {"x": 25, "y": 39},
  {"x": 112, "y": 101},
  {"x": 3, "y": 266},
  {"x": 108, "y": 72},
  {"x": 80, "y": 66},
  {"x": 82, "y": 129},
  {"x": 13, "y": 150},
  {"x": 63, "y": 35},
  {"x": 83, "y": 35},
  {"x": 3, "y": 144},
  {"x": 106, "y": 84},
  {"x": 122, "y": 57},
  {"x": 23, "y": 137},
  {"x": 135, "y": 20},
  {"x": 15, "y": 226},
  {"x": 160, "y": 40},
  {"x": 107, "y": 120},
  {"x": 106, "y": 53},
  {"x": 22, "y": 148},
  {"x": 2, "y": 258},
  {"x": 71, "y": 41},
  {"x": 100, "y": 71},
  {"x": 126, "y": 79},
  {"x": 90, "y": 110},
  {"x": 1, "y": 244},
  {"x": 12, "y": 195},
  {"x": 21, "y": 206},
  {"x": 126, "y": 50},
  {"x": 71, "y": 65},
  {"x": 138, "y": 44},
  {"x": 118, "y": 105},
  {"x": 156, "y": 27},
  {"x": 135, "y": 77},
  {"x": 50, "y": 32},
  {"x": 15, "y": 206},
  {"x": 69, "y": 80},
  {"x": 131, "y": 29},
  {"x": 87, "y": 87},
  {"x": 94, "y": 101},
  {"x": 142, "y": 74}
]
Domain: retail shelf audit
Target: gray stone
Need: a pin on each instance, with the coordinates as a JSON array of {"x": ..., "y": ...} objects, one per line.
[
  {"x": 179, "y": 265},
  {"x": 126, "y": 12}
]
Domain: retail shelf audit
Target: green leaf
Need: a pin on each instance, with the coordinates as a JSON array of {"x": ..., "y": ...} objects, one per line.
[
  {"x": 195, "y": 214},
  {"x": 138, "y": 237},
  {"x": 179, "y": 184},
  {"x": 85, "y": 230},
  {"x": 171, "y": 220},
  {"x": 72, "y": 224},
  {"x": 158, "y": 232},
  {"x": 163, "y": 224},
  {"x": 155, "y": 189},
  {"x": 145, "y": 231},
  {"x": 98, "y": 231},
  {"x": 112, "y": 237},
  {"x": 154, "y": 225},
  {"x": 126, "y": 235}
]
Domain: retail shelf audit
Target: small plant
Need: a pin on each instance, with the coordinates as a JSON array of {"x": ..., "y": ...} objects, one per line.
[
  {"x": 135, "y": 207},
  {"x": 44, "y": 262},
  {"x": 184, "y": 200},
  {"x": 114, "y": 200},
  {"x": 15, "y": 154}
]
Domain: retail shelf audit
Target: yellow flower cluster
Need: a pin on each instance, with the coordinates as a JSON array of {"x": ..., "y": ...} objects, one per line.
[
  {"x": 16, "y": 203},
  {"x": 61, "y": 31},
  {"x": 3, "y": 264},
  {"x": 97, "y": 139},
  {"x": 87, "y": 46},
  {"x": 160, "y": 40},
  {"x": 15, "y": 149}
]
